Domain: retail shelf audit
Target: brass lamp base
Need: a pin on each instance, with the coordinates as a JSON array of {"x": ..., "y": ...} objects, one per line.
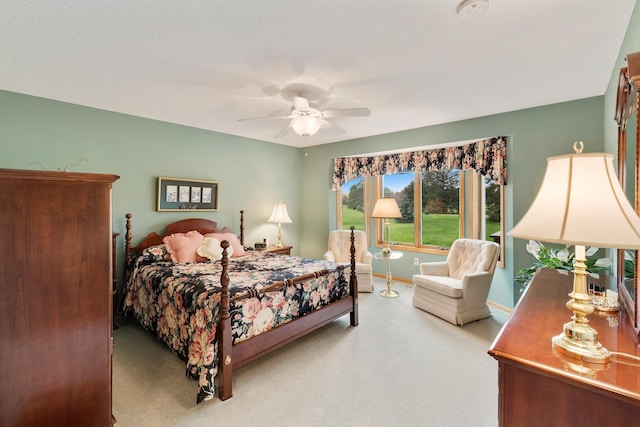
[
  {"x": 389, "y": 293},
  {"x": 279, "y": 243},
  {"x": 579, "y": 340}
]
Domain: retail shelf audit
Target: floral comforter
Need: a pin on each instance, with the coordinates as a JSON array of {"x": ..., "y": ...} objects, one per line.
[{"x": 180, "y": 303}]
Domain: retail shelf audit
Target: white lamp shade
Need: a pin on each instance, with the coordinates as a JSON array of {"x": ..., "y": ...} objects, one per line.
[
  {"x": 305, "y": 125},
  {"x": 581, "y": 202},
  {"x": 280, "y": 214},
  {"x": 386, "y": 208}
]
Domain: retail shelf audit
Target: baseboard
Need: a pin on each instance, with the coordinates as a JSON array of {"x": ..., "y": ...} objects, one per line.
[
  {"x": 395, "y": 279},
  {"x": 499, "y": 306}
]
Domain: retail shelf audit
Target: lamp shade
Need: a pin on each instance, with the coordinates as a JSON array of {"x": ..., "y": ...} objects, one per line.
[
  {"x": 386, "y": 207},
  {"x": 280, "y": 214},
  {"x": 581, "y": 202},
  {"x": 305, "y": 125}
]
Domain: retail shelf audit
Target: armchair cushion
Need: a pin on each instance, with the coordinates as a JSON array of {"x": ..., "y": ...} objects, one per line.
[{"x": 447, "y": 286}]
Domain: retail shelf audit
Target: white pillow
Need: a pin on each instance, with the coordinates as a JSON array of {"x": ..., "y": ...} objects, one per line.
[{"x": 210, "y": 248}]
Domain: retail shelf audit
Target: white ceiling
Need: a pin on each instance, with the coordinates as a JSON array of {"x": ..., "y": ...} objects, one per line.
[{"x": 208, "y": 63}]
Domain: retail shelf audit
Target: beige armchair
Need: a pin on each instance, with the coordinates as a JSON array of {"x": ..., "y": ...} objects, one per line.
[
  {"x": 340, "y": 251},
  {"x": 457, "y": 289}
]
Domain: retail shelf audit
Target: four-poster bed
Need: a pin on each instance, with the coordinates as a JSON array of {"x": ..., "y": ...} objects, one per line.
[{"x": 221, "y": 315}]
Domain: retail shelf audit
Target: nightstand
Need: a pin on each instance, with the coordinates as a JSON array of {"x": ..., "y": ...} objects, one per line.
[{"x": 285, "y": 250}]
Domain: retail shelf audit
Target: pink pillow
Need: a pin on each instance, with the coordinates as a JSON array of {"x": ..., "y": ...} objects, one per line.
[
  {"x": 183, "y": 247},
  {"x": 234, "y": 242}
]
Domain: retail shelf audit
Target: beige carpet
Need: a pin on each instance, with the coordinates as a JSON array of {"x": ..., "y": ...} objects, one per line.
[{"x": 400, "y": 367}]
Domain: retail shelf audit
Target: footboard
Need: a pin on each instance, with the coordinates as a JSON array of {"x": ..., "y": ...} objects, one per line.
[{"x": 231, "y": 356}]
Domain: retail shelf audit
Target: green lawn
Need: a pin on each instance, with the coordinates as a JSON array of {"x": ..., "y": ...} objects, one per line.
[
  {"x": 438, "y": 230},
  {"x": 352, "y": 217}
]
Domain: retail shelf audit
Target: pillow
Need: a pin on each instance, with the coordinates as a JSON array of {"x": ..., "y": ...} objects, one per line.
[
  {"x": 183, "y": 246},
  {"x": 234, "y": 242},
  {"x": 156, "y": 253},
  {"x": 210, "y": 248}
]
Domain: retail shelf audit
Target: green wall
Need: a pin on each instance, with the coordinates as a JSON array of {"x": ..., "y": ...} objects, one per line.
[{"x": 254, "y": 175}]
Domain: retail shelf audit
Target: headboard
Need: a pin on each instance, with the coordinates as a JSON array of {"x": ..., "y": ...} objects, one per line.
[{"x": 202, "y": 225}]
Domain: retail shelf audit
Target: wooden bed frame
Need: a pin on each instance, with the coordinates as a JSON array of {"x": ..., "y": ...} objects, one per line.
[{"x": 232, "y": 356}]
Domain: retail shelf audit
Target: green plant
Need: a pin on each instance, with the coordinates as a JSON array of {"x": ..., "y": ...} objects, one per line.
[
  {"x": 558, "y": 259},
  {"x": 629, "y": 264}
]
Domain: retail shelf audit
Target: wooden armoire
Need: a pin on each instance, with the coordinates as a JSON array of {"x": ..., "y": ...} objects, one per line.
[{"x": 55, "y": 298}]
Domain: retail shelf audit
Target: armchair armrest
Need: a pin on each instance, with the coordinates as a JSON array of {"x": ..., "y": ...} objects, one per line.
[
  {"x": 367, "y": 258},
  {"x": 437, "y": 268},
  {"x": 475, "y": 286},
  {"x": 329, "y": 256}
]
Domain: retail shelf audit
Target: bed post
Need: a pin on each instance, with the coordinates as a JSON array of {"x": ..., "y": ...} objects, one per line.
[
  {"x": 353, "y": 280},
  {"x": 225, "y": 361},
  {"x": 242, "y": 227},
  {"x": 127, "y": 237}
]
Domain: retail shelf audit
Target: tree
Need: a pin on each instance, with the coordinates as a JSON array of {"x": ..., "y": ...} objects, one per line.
[
  {"x": 440, "y": 191},
  {"x": 492, "y": 202},
  {"x": 406, "y": 203},
  {"x": 356, "y": 196}
]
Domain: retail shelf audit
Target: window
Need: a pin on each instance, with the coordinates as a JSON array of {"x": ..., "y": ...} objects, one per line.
[
  {"x": 352, "y": 204},
  {"x": 433, "y": 211},
  {"x": 440, "y": 207},
  {"x": 427, "y": 201},
  {"x": 430, "y": 206},
  {"x": 401, "y": 188}
]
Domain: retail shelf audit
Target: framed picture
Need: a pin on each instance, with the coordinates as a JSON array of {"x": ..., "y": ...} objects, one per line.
[{"x": 177, "y": 194}]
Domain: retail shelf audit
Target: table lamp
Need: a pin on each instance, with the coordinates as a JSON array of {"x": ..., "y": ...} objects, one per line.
[
  {"x": 386, "y": 207},
  {"x": 280, "y": 216},
  {"x": 581, "y": 203}
]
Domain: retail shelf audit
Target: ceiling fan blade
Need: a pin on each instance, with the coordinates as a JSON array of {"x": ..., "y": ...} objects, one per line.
[
  {"x": 300, "y": 103},
  {"x": 347, "y": 112},
  {"x": 284, "y": 131},
  {"x": 265, "y": 118},
  {"x": 335, "y": 127}
]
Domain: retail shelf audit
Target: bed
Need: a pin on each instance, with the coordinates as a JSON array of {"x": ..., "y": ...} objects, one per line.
[{"x": 218, "y": 315}]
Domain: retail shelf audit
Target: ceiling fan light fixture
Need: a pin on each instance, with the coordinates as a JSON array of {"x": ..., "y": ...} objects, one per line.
[
  {"x": 471, "y": 8},
  {"x": 305, "y": 125}
]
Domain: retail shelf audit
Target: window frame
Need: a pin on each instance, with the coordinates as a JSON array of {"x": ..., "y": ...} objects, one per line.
[{"x": 417, "y": 246}]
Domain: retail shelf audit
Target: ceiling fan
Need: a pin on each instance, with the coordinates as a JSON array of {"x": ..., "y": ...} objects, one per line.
[{"x": 306, "y": 119}]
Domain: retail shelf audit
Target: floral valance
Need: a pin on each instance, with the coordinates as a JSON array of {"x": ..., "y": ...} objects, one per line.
[{"x": 487, "y": 157}]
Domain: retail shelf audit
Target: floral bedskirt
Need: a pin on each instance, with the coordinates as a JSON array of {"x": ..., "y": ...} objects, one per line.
[{"x": 180, "y": 303}]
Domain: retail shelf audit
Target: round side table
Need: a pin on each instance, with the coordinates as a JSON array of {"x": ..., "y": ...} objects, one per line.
[{"x": 388, "y": 256}]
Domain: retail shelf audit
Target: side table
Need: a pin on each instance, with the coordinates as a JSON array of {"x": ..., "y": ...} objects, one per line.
[
  {"x": 285, "y": 250},
  {"x": 388, "y": 256}
]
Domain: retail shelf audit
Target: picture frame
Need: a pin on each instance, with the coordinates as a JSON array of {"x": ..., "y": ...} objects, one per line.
[{"x": 179, "y": 194}]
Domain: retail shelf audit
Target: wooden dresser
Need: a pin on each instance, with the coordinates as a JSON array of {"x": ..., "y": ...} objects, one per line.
[
  {"x": 541, "y": 388},
  {"x": 56, "y": 298}
]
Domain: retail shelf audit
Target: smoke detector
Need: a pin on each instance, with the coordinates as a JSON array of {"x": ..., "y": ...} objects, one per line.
[{"x": 472, "y": 8}]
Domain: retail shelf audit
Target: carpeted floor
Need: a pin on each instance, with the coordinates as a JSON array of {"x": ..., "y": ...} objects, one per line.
[{"x": 400, "y": 367}]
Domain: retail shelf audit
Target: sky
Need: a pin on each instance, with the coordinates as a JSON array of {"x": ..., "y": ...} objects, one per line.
[{"x": 393, "y": 182}]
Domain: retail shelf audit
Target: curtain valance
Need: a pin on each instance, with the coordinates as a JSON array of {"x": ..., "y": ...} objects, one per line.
[{"x": 487, "y": 157}]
